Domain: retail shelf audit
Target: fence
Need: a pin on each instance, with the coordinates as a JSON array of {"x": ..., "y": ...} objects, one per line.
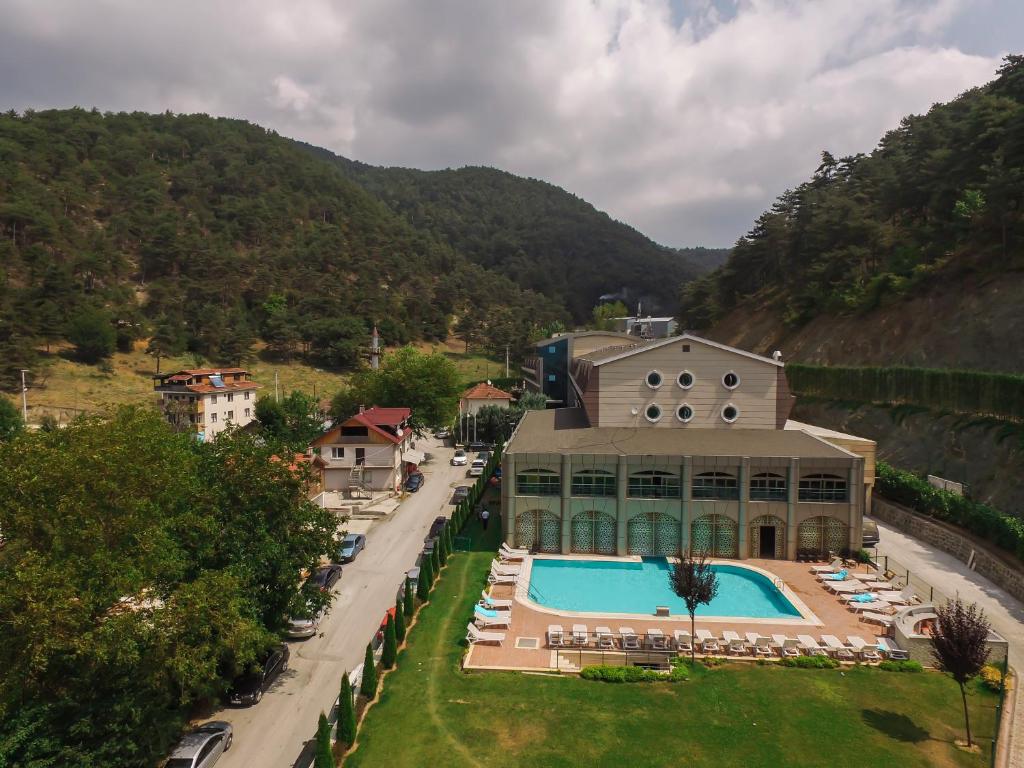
[{"x": 901, "y": 576}]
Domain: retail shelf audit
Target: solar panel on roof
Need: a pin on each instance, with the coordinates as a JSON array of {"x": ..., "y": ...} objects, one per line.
[{"x": 216, "y": 380}]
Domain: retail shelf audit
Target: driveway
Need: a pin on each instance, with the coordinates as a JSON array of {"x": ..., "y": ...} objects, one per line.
[
  {"x": 271, "y": 734},
  {"x": 1004, "y": 612}
]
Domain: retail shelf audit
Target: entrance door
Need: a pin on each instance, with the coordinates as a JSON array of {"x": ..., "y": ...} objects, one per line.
[
  {"x": 767, "y": 538},
  {"x": 360, "y": 455}
]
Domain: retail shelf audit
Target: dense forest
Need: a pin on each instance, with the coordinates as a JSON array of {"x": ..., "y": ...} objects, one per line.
[
  {"x": 938, "y": 199},
  {"x": 542, "y": 237}
]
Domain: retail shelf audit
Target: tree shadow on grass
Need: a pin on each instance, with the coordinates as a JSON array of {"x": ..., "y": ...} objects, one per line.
[{"x": 895, "y": 726}]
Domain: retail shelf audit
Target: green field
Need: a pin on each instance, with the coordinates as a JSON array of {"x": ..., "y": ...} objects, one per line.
[{"x": 431, "y": 713}]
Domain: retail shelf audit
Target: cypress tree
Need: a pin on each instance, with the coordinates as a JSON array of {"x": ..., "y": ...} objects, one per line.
[
  {"x": 368, "y": 685},
  {"x": 425, "y": 581},
  {"x": 387, "y": 659},
  {"x": 346, "y": 714},
  {"x": 451, "y": 539},
  {"x": 410, "y": 599},
  {"x": 439, "y": 547},
  {"x": 435, "y": 564},
  {"x": 324, "y": 757},
  {"x": 400, "y": 620}
]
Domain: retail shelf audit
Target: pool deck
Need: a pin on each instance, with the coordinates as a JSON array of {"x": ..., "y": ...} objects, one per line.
[{"x": 821, "y": 613}]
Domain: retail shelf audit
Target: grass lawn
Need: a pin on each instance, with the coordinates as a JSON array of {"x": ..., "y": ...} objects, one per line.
[
  {"x": 431, "y": 713},
  {"x": 471, "y": 367}
]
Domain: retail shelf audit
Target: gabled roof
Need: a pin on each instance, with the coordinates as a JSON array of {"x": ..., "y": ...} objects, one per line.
[
  {"x": 601, "y": 360},
  {"x": 374, "y": 419},
  {"x": 391, "y": 417},
  {"x": 485, "y": 391}
]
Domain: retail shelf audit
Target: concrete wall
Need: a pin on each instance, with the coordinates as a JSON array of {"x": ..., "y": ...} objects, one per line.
[{"x": 949, "y": 540}]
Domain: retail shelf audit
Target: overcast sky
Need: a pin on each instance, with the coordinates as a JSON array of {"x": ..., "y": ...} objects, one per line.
[{"x": 683, "y": 118}]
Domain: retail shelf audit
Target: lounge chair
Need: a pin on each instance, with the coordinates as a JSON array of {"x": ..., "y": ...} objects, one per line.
[
  {"x": 556, "y": 636},
  {"x": 684, "y": 642},
  {"x": 832, "y": 567},
  {"x": 886, "y": 646},
  {"x": 785, "y": 646},
  {"x": 580, "y": 635},
  {"x": 504, "y": 567},
  {"x": 809, "y": 646},
  {"x": 656, "y": 640},
  {"x": 848, "y": 587},
  {"x": 877, "y": 618},
  {"x": 502, "y": 578},
  {"x": 506, "y": 549},
  {"x": 629, "y": 639},
  {"x": 605, "y": 638},
  {"x": 862, "y": 648},
  {"x": 493, "y": 603},
  {"x": 838, "y": 649},
  {"x": 475, "y": 635},
  {"x": 758, "y": 644},
  {"x": 708, "y": 642},
  {"x": 860, "y": 597},
  {"x": 839, "y": 576},
  {"x": 876, "y": 606},
  {"x": 891, "y": 597},
  {"x": 736, "y": 644},
  {"x": 483, "y": 617}
]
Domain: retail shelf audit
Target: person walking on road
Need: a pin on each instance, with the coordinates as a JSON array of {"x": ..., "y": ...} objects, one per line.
[{"x": 484, "y": 516}]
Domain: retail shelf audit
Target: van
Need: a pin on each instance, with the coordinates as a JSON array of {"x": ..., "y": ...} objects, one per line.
[{"x": 477, "y": 467}]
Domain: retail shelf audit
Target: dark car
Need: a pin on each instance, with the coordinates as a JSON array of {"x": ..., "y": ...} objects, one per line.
[
  {"x": 476, "y": 446},
  {"x": 414, "y": 483},
  {"x": 460, "y": 494},
  {"x": 870, "y": 535},
  {"x": 249, "y": 688},
  {"x": 202, "y": 746},
  {"x": 436, "y": 527},
  {"x": 326, "y": 576},
  {"x": 351, "y": 545}
]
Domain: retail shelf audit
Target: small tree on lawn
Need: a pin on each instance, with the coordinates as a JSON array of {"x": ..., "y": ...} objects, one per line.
[
  {"x": 368, "y": 685},
  {"x": 958, "y": 645},
  {"x": 410, "y": 599},
  {"x": 387, "y": 659},
  {"x": 399, "y": 621},
  {"x": 324, "y": 757},
  {"x": 449, "y": 543},
  {"x": 442, "y": 556},
  {"x": 693, "y": 580},
  {"x": 346, "y": 713},
  {"x": 425, "y": 580},
  {"x": 435, "y": 563}
]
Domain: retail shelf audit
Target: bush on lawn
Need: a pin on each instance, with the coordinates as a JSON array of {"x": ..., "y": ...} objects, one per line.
[
  {"x": 992, "y": 677},
  {"x": 409, "y": 606},
  {"x": 608, "y": 673},
  {"x": 424, "y": 582},
  {"x": 399, "y": 621},
  {"x": 387, "y": 658},
  {"x": 346, "y": 714},
  {"x": 324, "y": 758},
  {"x": 811, "y": 662},
  {"x": 890, "y": 665},
  {"x": 368, "y": 685}
]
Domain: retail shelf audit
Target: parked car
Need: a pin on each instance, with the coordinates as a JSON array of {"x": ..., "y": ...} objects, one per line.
[
  {"x": 443, "y": 434},
  {"x": 477, "y": 467},
  {"x": 460, "y": 459},
  {"x": 414, "y": 482},
  {"x": 870, "y": 535},
  {"x": 478, "y": 446},
  {"x": 436, "y": 527},
  {"x": 202, "y": 746},
  {"x": 326, "y": 576},
  {"x": 461, "y": 493},
  {"x": 485, "y": 455},
  {"x": 249, "y": 688},
  {"x": 305, "y": 624},
  {"x": 351, "y": 545}
]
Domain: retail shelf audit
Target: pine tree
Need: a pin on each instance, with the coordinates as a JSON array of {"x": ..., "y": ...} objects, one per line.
[
  {"x": 439, "y": 548},
  {"x": 324, "y": 756},
  {"x": 399, "y": 621},
  {"x": 346, "y": 714},
  {"x": 387, "y": 659},
  {"x": 410, "y": 599},
  {"x": 425, "y": 581},
  {"x": 368, "y": 685}
]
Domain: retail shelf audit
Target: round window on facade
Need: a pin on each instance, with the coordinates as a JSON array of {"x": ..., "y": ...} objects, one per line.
[
  {"x": 685, "y": 380},
  {"x": 731, "y": 380},
  {"x": 684, "y": 413},
  {"x": 730, "y": 413},
  {"x": 653, "y": 379},
  {"x": 653, "y": 412}
]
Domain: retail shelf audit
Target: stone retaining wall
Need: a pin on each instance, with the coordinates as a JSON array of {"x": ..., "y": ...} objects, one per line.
[{"x": 949, "y": 540}]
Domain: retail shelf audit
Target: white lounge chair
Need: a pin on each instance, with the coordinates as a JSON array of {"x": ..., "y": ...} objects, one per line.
[
  {"x": 493, "y": 603},
  {"x": 502, "y": 578},
  {"x": 809, "y": 646},
  {"x": 878, "y": 618},
  {"x": 605, "y": 638},
  {"x": 684, "y": 642},
  {"x": 475, "y": 635},
  {"x": 758, "y": 644},
  {"x": 708, "y": 642},
  {"x": 837, "y": 647},
  {"x": 891, "y": 650},
  {"x": 844, "y": 587},
  {"x": 556, "y": 636},
  {"x": 580, "y": 635},
  {"x": 842, "y": 575},
  {"x": 629, "y": 639},
  {"x": 487, "y": 619},
  {"x": 504, "y": 567},
  {"x": 785, "y": 646},
  {"x": 875, "y": 606},
  {"x": 513, "y": 550},
  {"x": 860, "y": 597},
  {"x": 736, "y": 644},
  {"x": 867, "y": 651},
  {"x": 656, "y": 640},
  {"x": 890, "y": 596},
  {"x": 834, "y": 567}
]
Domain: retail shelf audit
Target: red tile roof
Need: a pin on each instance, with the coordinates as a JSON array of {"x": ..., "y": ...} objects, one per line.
[
  {"x": 485, "y": 391},
  {"x": 392, "y": 417},
  {"x": 229, "y": 386},
  {"x": 375, "y": 419}
]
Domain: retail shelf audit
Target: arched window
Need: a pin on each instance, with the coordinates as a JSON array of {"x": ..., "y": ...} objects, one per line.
[
  {"x": 652, "y": 534},
  {"x": 767, "y": 486},
  {"x": 714, "y": 536},
  {"x": 821, "y": 537},
  {"x": 594, "y": 532},
  {"x": 539, "y": 530},
  {"x": 652, "y": 484},
  {"x": 715, "y": 485},
  {"x": 593, "y": 482},
  {"x": 823, "y": 487},
  {"x": 538, "y": 482}
]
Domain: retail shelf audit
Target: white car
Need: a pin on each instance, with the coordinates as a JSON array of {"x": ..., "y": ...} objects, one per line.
[
  {"x": 477, "y": 467},
  {"x": 460, "y": 459}
]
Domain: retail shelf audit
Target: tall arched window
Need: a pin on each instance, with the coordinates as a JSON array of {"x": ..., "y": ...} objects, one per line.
[
  {"x": 822, "y": 537},
  {"x": 594, "y": 532},
  {"x": 653, "y": 484},
  {"x": 715, "y": 485},
  {"x": 821, "y": 487},
  {"x": 538, "y": 482},
  {"x": 767, "y": 486},
  {"x": 714, "y": 536},
  {"x": 593, "y": 482},
  {"x": 652, "y": 534},
  {"x": 539, "y": 530}
]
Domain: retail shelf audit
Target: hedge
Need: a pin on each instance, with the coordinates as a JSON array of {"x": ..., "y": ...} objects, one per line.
[
  {"x": 810, "y": 662},
  {"x": 618, "y": 674},
  {"x": 894, "y": 665},
  {"x": 908, "y": 489},
  {"x": 979, "y": 393}
]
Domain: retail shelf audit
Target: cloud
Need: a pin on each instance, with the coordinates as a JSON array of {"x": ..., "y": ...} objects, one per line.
[{"x": 683, "y": 118}]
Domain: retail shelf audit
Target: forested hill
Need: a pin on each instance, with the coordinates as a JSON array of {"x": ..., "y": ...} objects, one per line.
[
  {"x": 539, "y": 235},
  {"x": 210, "y": 232},
  {"x": 913, "y": 253}
]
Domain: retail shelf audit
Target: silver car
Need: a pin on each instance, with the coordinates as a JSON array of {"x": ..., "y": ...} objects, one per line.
[
  {"x": 203, "y": 746},
  {"x": 304, "y": 626}
]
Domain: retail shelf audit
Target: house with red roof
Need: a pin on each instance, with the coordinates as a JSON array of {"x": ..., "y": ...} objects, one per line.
[
  {"x": 207, "y": 400},
  {"x": 479, "y": 395},
  {"x": 372, "y": 450}
]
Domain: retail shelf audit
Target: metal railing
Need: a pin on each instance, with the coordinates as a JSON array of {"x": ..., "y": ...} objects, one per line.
[{"x": 901, "y": 576}]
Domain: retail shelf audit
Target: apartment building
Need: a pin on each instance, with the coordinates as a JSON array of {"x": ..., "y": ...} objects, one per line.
[{"x": 207, "y": 400}]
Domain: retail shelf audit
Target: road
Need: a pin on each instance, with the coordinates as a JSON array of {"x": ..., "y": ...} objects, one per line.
[
  {"x": 1004, "y": 612},
  {"x": 271, "y": 734}
]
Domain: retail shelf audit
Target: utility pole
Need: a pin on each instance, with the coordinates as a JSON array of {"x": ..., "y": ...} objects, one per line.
[
  {"x": 277, "y": 391},
  {"x": 506, "y": 361},
  {"x": 24, "y": 397}
]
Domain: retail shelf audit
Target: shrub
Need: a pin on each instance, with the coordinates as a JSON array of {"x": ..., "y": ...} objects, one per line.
[
  {"x": 409, "y": 603},
  {"x": 891, "y": 665},
  {"x": 811, "y": 662},
  {"x": 324, "y": 757},
  {"x": 368, "y": 685},
  {"x": 425, "y": 581},
  {"x": 435, "y": 564},
  {"x": 608, "y": 673},
  {"x": 346, "y": 713},
  {"x": 387, "y": 658},
  {"x": 399, "y": 621},
  {"x": 862, "y": 556},
  {"x": 992, "y": 677}
]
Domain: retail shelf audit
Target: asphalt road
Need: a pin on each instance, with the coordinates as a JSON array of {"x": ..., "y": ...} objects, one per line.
[{"x": 271, "y": 734}]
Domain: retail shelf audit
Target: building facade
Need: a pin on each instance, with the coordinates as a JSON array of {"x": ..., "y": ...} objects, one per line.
[
  {"x": 682, "y": 445},
  {"x": 483, "y": 394},
  {"x": 206, "y": 400},
  {"x": 548, "y": 370}
]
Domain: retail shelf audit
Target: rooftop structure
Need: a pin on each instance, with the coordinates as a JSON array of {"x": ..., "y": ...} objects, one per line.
[{"x": 207, "y": 400}]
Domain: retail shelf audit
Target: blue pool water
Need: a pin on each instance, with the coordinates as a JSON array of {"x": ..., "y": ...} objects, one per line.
[{"x": 604, "y": 586}]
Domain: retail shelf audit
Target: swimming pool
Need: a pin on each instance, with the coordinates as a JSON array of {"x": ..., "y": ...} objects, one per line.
[{"x": 611, "y": 586}]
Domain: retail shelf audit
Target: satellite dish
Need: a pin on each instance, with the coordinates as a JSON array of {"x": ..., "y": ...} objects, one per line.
[{"x": 634, "y": 410}]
